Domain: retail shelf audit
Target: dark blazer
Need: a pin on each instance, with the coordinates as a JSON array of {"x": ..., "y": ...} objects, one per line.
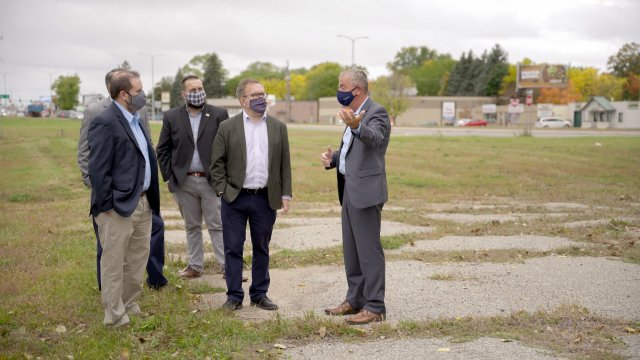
[
  {"x": 366, "y": 176},
  {"x": 176, "y": 144},
  {"x": 228, "y": 168},
  {"x": 117, "y": 166}
]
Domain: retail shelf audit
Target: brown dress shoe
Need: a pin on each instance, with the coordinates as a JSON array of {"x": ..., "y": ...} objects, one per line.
[
  {"x": 189, "y": 273},
  {"x": 343, "y": 309},
  {"x": 364, "y": 317}
]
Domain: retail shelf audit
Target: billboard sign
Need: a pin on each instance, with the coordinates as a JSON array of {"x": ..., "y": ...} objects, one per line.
[
  {"x": 448, "y": 110},
  {"x": 489, "y": 108},
  {"x": 545, "y": 110},
  {"x": 542, "y": 76}
]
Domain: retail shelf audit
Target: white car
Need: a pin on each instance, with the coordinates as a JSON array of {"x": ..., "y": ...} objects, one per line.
[{"x": 552, "y": 122}]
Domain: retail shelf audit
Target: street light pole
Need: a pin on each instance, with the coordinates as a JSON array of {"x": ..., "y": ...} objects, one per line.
[
  {"x": 353, "y": 45},
  {"x": 153, "y": 93}
]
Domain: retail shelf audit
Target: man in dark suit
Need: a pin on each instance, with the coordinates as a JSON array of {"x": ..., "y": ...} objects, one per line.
[
  {"x": 155, "y": 265},
  {"x": 124, "y": 180},
  {"x": 184, "y": 154},
  {"x": 251, "y": 171},
  {"x": 362, "y": 190}
]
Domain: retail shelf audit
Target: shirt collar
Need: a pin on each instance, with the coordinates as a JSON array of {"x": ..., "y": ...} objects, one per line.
[
  {"x": 361, "y": 105},
  {"x": 246, "y": 117},
  {"x": 127, "y": 115}
]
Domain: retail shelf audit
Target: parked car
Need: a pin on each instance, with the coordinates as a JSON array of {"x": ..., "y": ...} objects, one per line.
[
  {"x": 552, "y": 122},
  {"x": 478, "y": 122},
  {"x": 461, "y": 122}
]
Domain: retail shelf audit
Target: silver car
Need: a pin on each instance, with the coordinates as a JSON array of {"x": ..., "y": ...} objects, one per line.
[{"x": 552, "y": 122}]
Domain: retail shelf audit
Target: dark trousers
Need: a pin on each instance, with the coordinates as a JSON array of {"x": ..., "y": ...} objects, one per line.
[
  {"x": 155, "y": 278},
  {"x": 363, "y": 256},
  {"x": 254, "y": 208}
]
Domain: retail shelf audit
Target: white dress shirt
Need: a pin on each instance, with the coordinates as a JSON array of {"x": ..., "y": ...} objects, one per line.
[{"x": 257, "y": 140}]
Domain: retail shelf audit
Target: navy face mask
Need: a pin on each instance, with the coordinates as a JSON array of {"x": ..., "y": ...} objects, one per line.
[
  {"x": 258, "y": 105},
  {"x": 345, "y": 97}
]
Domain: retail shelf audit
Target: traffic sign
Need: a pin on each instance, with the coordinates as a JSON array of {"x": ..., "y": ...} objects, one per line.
[{"x": 4, "y": 96}]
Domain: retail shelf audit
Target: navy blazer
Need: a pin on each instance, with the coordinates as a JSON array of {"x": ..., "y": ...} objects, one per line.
[{"x": 117, "y": 165}]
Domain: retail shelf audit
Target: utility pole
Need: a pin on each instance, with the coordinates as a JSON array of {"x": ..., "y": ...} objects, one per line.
[
  {"x": 153, "y": 93},
  {"x": 353, "y": 45},
  {"x": 287, "y": 78}
]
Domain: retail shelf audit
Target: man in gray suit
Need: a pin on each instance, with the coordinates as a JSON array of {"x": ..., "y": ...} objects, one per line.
[
  {"x": 362, "y": 190},
  {"x": 155, "y": 278}
]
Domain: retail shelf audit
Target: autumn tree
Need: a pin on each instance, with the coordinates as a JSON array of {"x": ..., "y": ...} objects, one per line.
[
  {"x": 67, "y": 89},
  {"x": 626, "y": 61},
  {"x": 391, "y": 92},
  {"x": 559, "y": 96}
]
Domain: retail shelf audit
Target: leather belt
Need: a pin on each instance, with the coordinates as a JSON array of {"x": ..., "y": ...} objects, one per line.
[
  {"x": 255, "y": 191},
  {"x": 197, "y": 174}
]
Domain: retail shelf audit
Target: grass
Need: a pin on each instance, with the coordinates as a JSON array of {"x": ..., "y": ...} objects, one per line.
[{"x": 47, "y": 245}]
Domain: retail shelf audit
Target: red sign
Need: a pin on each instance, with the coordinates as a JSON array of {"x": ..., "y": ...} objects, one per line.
[
  {"x": 529, "y": 100},
  {"x": 515, "y": 101}
]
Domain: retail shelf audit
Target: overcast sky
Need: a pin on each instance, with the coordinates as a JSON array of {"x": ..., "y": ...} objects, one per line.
[{"x": 49, "y": 38}]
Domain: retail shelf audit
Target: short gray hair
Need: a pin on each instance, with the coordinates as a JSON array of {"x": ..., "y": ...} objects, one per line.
[
  {"x": 243, "y": 84},
  {"x": 359, "y": 77}
]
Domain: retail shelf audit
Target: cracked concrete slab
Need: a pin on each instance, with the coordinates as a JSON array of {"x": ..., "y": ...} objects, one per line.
[
  {"x": 487, "y": 218},
  {"x": 529, "y": 242}
]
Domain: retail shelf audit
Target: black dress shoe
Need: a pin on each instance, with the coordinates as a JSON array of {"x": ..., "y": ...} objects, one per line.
[
  {"x": 156, "y": 287},
  {"x": 265, "y": 304},
  {"x": 231, "y": 305}
]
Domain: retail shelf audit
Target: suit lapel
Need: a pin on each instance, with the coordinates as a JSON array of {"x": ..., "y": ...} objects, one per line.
[
  {"x": 186, "y": 122},
  {"x": 204, "y": 120},
  {"x": 125, "y": 125},
  {"x": 238, "y": 128}
]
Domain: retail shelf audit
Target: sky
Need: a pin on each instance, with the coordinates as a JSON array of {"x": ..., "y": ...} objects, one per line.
[{"x": 42, "y": 40}]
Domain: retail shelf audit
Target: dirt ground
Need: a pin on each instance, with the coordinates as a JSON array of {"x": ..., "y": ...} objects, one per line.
[{"x": 416, "y": 290}]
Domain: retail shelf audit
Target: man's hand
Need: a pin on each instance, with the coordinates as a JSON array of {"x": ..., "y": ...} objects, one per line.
[
  {"x": 326, "y": 157},
  {"x": 350, "y": 118},
  {"x": 286, "y": 203}
]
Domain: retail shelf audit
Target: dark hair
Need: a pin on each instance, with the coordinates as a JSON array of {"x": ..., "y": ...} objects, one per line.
[
  {"x": 243, "y": 84},
  {"x": 121, "y": 81},
  {"x": 187, "y": 78},
  {"x": 107, "y": 78}
]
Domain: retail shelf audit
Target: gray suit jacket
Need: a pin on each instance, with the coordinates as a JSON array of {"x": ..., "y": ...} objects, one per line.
[
  {"x": 229, "y": 160},
  {"x": 366, "y": 177},
  {"x": 83, "y": 145}
]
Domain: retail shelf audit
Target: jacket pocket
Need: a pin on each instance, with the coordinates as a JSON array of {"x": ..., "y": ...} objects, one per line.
[{"x": 370, "y": 172}]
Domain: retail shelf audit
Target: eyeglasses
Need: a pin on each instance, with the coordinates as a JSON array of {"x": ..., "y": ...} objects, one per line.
[{"x": 257, "y": 96}]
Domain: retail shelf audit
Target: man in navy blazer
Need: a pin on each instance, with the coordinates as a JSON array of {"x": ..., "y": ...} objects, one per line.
[{"x": 124, "y": 190}]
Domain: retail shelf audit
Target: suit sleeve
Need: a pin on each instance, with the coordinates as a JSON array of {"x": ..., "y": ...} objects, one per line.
[
  {"x": 285, "y": 171},
  {"x": 100, "y": 139},
  {"x": 374, "y": 131},
  {"x": 164, "y": 149},
  {"x": 218, "y": 169},
  {"x": 147, "y": 126},
  {"x": 83, "y": 145}
]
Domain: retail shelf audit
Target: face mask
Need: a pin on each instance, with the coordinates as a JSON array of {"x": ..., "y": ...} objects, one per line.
[
  {"x": 138, "y": 102},
  {"x": 258, "y": 105},
  {"x": 195, "y": 99},
  {"x": 345, "y": 97}
]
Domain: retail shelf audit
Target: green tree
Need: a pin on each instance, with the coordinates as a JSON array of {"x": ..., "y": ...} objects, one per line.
[
  {"x": 428, "y": 76},
  {"x": 609, "y": 86},
  {"x": 258, "y": 70},
  {"x": 321, "y": 81},
  {"x": 176, "y": 90},
  {"x": 390, "y": 91},
  {"x": 626, "y": 61},
  {"x": 410, "y": 58},
  {"x": 494, "y": 68},
  {"x": 67, "y": 89},
  {"x": 214, "y": 76},
  {"x": 163, "y": 85}
]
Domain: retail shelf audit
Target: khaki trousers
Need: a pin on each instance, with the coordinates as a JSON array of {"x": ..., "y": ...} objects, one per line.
[{"x": 125, "y": 251}]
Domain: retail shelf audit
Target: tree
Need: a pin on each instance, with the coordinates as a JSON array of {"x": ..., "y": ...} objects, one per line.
[
  {"x": 67, "y": 89},
  {"x": 258, "y": 70},
  {"x": 631, "y": 88},
  {"x": 322, "y": 80},
  {"x": 164, "y": 84},
  {"x": 626, "y": 61},
  {"x": 494, "y": 68},
  {"x": 176, "y": 90},
  {"x": 409, "y": 58},
  {"x": 390, "y": 92},
  {"x": 508, "y": 83},
  {"x": 609, "y": 86},
  {"x": 428, "y": 76},
  {"x": 214, "y": 76},
  {"x": 559, "y": 96}
]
